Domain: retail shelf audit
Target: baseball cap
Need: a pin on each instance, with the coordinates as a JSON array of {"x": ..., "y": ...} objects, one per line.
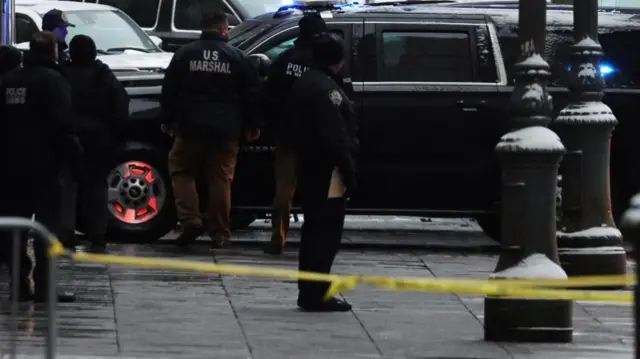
[{"x": 55, "y": 18}]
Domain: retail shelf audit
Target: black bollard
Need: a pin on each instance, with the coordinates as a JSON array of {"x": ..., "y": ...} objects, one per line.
[
  {"x": 631, "y": 227},
  {"x": 530, "y": 159},
  {"x": 588, "y": 241}
]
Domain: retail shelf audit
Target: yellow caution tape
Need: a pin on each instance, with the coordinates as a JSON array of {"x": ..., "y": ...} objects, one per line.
[
  {"x": 498, "y": 288},
  {"x": 522, "y": 288},
  {"x": 56, "y": 248}
]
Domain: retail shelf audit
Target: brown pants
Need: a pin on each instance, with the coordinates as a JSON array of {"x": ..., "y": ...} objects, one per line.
[
  {"x": 216, "y": 161},
  {"x": 285, "y": 171}
]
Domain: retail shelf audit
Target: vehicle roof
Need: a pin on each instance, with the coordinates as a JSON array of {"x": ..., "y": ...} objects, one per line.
[
  {"x": 557, "y": 17},
  {"x": 42, "y": 6}
]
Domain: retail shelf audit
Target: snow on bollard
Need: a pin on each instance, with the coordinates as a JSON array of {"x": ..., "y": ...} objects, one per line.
[
  {"x": 530, "y": 159},
  {"x": 588, "y": 243},
  {"x": 535, "y": 266}
]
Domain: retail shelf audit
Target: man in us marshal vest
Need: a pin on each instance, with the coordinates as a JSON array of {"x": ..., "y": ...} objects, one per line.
[{"x": 208, "y": 95}]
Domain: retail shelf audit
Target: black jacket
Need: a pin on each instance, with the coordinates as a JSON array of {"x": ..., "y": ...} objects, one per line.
[
  {"x": 322, "y": 138},
  {"x": 10, "y": 58},
  {"x": 284, "y": 71},
  {"x": 100, "y": 107},
  {"x": 210, "y": 89},
  {"x": 36, "y": 130},
  {"x": 63, "y": 56}
]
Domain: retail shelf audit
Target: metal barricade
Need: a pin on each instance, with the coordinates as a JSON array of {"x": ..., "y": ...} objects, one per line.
[{"x": 16, "y": 225}]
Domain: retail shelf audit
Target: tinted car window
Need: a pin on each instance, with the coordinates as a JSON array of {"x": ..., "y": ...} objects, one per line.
[
  {"x": 188, "y": 13},
  {"x": 426, "y": 57},
  {"x": 109, "y": 29},
  {"x": 275, "y": 51},
  {"x": 143, "y": 12},
  {"x": 619, "y": 66},
  {"x": 246, "y": 33},
  {"x": 25, "y": 28},
  {"x": 253, "y": 8}
]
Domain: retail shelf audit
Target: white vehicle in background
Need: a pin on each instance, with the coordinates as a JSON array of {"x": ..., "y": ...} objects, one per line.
[{"x": 121, "y": 43}]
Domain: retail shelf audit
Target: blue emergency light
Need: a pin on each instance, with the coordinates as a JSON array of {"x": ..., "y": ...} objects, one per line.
[
  {"x": 606, "y": 69},
  {"x": 314, "y": 4}
]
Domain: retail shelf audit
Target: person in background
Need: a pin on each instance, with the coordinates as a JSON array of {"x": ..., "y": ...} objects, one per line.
[
  {"x": 286, "y": 68},
  {"x": 36, "y": 141},
  {"x": 100, "y": 107},
  {"x": 10, "y": 59},
  {"x": 56, "y": 22},
  {"x": 208, "y": 99},
  {"x": 326, "y": 167}
]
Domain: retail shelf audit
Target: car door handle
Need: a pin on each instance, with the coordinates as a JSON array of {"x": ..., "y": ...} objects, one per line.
[{"x": 470, "y": 106}]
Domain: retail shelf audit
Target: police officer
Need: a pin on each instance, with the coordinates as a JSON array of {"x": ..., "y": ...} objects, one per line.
[
  {"x": 208, "y": 96},
  {"x": 36, "y": 110},
  {"x": 101, "y": 105},
  {"x": 326, "y": 166},
  {"x": 289, "y": 66},
  {"x": 56, "y": 22}
]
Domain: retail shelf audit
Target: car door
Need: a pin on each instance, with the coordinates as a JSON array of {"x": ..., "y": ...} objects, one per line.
[
  {"x": 254, "y": 182},
  {"x": 427, "y": 121}
]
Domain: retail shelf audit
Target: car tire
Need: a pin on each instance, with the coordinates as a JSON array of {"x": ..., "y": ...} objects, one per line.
[
  {"x": 141, "y": 206},
  {"x": 491, "y": 225}
]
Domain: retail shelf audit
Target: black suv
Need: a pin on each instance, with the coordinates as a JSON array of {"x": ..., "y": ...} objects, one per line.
[{"x": 432, "y": 84}]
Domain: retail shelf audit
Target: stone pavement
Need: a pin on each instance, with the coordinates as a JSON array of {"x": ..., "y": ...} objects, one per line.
[{"x": 137, "y": 313}]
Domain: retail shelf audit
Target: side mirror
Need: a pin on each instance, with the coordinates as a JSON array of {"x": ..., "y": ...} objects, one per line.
[
  {"x": 261, "y": 62},
  {"x": 156, "y": 40},
  {"x": 23, "y": 46},
  {"x": 233, "y": 21}
]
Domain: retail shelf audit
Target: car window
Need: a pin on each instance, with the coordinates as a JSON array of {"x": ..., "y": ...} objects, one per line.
[
  {"x": 109, "y": 29},
  {"x": 276, "y": 50},
  {"x": 188, "y": 13},
  {"x": 246, "y": 33},
  {"x": 620, "y": 3},
  {"x": 618, "y": 67},
  {"x": 426, "y": 57},
  {"x": 253, "y": 8},
  {"x": 143, "y": 12},
  {"x": 25, "y": 28}
]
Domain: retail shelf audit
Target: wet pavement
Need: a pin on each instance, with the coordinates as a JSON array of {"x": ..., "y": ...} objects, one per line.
[{"x": 137, "y": 313}]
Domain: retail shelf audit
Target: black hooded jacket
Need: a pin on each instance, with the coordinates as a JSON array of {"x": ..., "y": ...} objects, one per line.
[
  {"x": 284, "y": 71},
  {"x": 209, "y": 89},
  {"x": 10, "y": 59},
  {"x": 100, "y": 106},
  {"x": 63, "y": 56},
  {"x": 36, "y": 130},
  {"x": 320, "y": 133}
]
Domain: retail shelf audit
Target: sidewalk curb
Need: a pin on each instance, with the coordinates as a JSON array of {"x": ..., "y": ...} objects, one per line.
[{"x": 455, "y": 246}]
